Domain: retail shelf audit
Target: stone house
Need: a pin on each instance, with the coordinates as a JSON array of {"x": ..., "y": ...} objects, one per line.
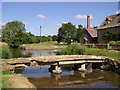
[
  {"x": 110, "y": 24},
  {"x": 89, "y": 35}
]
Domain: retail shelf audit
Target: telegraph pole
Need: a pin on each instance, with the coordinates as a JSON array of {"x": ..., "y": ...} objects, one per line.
[{"x": 40, "y": 33}]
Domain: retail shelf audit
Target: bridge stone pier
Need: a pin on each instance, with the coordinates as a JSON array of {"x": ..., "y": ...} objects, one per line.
[{"x": 55, "y": 69}]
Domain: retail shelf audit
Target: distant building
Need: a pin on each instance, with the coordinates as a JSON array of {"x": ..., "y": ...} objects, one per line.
[
  {"x": 110, "y": 24},
  {"x": 89, "y": 35}
]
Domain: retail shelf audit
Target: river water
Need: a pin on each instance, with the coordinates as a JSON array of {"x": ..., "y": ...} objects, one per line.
[{"x": 41, "y": 78}]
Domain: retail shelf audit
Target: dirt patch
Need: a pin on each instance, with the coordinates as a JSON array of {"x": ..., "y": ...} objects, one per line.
[{"x": 20, "y": 81}]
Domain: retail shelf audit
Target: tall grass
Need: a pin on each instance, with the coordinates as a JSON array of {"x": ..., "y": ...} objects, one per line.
[
  {"x": 5, "y": 79},
  {"x": 73, "y": 49},
  {"x": 5, "y": 52},
  {"x": 76, "y": 49}
]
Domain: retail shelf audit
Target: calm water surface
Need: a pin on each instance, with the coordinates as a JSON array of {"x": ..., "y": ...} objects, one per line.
[{"x": 41, "y": 78}]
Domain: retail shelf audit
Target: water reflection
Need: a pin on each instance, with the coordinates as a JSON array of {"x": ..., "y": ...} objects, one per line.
[
  {"x": 41, "y": 78},
  {"x": 16, "y": 53}
]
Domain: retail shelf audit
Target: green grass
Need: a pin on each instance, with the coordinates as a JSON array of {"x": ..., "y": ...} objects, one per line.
[
  {"x": 5, "y": 52},
  {"x": 101, "y": 52},
  {"x": 50, "y": 43},
  {"x": 76, "y": 49},
  {"x": 5, "y": 79}
]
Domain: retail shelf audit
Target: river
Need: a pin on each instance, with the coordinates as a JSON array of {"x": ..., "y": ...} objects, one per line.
[{"x": 41, "y": 78}]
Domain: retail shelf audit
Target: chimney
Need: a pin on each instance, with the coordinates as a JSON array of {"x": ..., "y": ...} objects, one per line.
[{"x": 88, "y": 22}]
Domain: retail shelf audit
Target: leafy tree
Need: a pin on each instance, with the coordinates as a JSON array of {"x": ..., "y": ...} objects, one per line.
[
  {"x": 110, "y": 37},
  {"x": 54, "y": 37},
  {"x": 80, "y": 30},
  {"x": 67, "y": 33},
  {"x": 49, "y": 37},
  {"x": 13, "y": 33}
]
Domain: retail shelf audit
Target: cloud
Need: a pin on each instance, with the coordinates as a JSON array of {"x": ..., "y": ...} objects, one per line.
[
  {"x": 60, "y": 24},
  {"x": 41, "y": 16},
  {"x": 1, "y": 23},
  {"x": 82, "y": 16},
  {"x": 25, "y": 22},
  {"x": 118, "y": 11},
  {"x": 57, "y": 24}
]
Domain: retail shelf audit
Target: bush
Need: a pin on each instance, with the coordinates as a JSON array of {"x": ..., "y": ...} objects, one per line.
[
  {"x": 73, "y": 49},
  {"x": 112, "y": 42},
  {"x": 5, "y": 52},
  {"x": 118, "y": 42},
  {"x": 82, "y": 50}
]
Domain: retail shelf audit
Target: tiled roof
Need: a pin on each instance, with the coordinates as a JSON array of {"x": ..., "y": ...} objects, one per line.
[
  {"x": 92, "y": 32},
  {"x": 110, "y": 21}
]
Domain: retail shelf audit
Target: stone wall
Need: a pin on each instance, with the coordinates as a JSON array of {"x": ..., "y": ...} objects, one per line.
[
  {"x": 107, "y": 46},
  {"x": 87, "y": 36},
  {"x": 101, "y": 32}
]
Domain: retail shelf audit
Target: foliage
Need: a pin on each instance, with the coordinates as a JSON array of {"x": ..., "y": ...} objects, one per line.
[
  {"x": 67, "y": 33},
  {"x": 112, "y": 42},
  {"x": 118, "y": 42},
  {"x": 76, "y": 49},
  {"x": 80, "y": 31},
  {"x": 5, "y": 52},
  {"x": 5, "y": 79},
  {"x": 49, "y": 43},
  {"x": 73, "y": 49},
  {"x": 54, "y": 38},
  {"x": 49, "y": 38},
  {"x": 110, "y": 37},
  {"x": 13, "y": 33},
  {"x": 5, "y": 72}
]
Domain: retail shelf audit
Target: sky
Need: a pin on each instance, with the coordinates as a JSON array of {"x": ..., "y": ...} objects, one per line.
[{"x": 50, "y": 15}]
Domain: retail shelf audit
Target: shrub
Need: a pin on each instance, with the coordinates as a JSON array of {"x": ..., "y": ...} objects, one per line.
[
  {"x": 73, "y": 49},
  {"x": 118, "y": 42},
  {"x": 112, "y": 42},
  {"x": 5, "y": 52},
  {"x": 82, "y": 50}
]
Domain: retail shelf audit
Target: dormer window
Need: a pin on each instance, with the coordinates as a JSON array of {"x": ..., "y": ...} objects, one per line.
[{"x": 107, "y": 22}]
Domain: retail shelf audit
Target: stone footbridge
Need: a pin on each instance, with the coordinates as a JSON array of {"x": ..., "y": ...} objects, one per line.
[{"x": 81, "y": 62}]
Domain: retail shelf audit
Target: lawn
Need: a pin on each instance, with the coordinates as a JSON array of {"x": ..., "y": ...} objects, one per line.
[{"x": 50, "y": 43}]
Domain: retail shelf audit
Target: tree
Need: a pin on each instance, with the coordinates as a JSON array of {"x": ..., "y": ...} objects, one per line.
[
  {"x": 67, "y": 33},
  {"x": 54, "y": 37},
  {"x": 13, "y": 33},
  {"x": 49, "y": 37},
  {"x": 80, "y": 31},
  {"x": 110, "y": 37}
]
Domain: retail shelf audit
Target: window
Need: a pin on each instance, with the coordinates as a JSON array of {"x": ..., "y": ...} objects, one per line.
[{"x": 107, "y": 22}]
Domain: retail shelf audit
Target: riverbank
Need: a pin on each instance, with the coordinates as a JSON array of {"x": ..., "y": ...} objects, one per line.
[
  {"x": 18, "y": 81},
  {"x": 43, "y": 46},
  {"x": 11, "y": 79}
]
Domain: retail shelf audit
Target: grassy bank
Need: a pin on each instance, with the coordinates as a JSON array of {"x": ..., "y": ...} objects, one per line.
[
  {"x": 12, "y": 80},
  {"x": 50, "y": 43},
  {"x": 5, "y": 52},
  {"x": 75, "y": 49},
  {"x": 5, "y": 79}
]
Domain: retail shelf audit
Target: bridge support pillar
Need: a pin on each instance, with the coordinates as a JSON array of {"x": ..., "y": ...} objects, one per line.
[
  {"x": 33, "y": 63},
  {"x": 89, "y": 67},
  {"x": 79, "y": 67},
  {"x": 55, "y": 69}
]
